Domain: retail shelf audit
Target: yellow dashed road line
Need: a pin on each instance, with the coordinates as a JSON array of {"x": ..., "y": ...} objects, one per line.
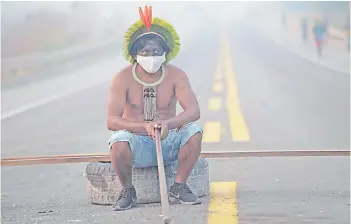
[
  {"x": 217, "y": 87},
  {"x": 212, "y": 132},
  {"x": 215, "y": 104},
  {"x": 222, "y": 207},
  {"x": 218, "y": 75},
  {"x": 237, "y": 124}
]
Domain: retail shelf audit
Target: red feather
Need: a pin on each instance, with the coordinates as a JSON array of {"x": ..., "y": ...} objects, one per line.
[
  {"x": 142, "y": 17},
  {"x": 146, "y": 11},
  {"x": 150, "y": 15}
]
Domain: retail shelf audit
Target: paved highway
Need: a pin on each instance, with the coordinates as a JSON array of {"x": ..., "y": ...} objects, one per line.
[{"x": 253, "y": 95}]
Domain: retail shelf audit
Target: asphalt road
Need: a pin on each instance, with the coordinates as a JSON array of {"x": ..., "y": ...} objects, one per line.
[{"x": 285, "y": 103}]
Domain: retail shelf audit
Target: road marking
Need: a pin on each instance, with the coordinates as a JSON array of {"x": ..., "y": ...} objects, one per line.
[
  {"x": 218, "y": 74},
  {"x": 212, "y": 131},
  {"x": 217, "y": 87},
  {"x": 35, "y": 104},
  {"x": 237, "y": 122},
  {"x": 106, "y": 68},
  {"x": 214, "y": 104},
  {"x": 222, "y": 207}
]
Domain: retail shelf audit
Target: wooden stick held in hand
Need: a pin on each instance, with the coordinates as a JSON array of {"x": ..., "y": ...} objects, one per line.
[{"x": 162, "y": 178}]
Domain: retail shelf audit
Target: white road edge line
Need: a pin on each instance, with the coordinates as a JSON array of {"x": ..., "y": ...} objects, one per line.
[{"x": 32, "y": 105}]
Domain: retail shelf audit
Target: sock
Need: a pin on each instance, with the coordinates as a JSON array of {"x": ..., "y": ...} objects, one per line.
[
  {"x": 128, "y": 187},
  {"x": 176, "y": 184}
]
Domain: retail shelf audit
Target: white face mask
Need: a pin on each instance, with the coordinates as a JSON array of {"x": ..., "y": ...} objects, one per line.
[{"x": 151, "y": 64}]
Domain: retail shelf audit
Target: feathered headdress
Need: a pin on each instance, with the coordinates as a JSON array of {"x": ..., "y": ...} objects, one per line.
[{"x": 148, "y": 25}]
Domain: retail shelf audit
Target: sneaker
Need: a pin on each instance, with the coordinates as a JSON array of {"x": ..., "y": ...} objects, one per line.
[
  {"x": 126, "y": 200},
  {"x": 182, "y": 193}
]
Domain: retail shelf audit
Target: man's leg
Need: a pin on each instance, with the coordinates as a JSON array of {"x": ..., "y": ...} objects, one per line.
[
  {"x": 126, "y": 151},
  {"x": 121, "y": 160},
  {"x": 189, "y": 152},
  {"x": 187, "y": 157}
]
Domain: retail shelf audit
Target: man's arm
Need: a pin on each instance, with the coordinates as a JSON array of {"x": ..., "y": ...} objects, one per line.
[
  {"x": 187, "y": 99},
  {"x": 115, "y": 107}
]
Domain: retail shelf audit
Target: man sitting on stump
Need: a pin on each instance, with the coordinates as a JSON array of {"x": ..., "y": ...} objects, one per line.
[{"x": 143, "y": 96}]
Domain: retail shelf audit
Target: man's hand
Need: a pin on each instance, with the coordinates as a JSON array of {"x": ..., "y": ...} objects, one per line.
[
  {"x": 164, "y": 129},
  {"x": 151, "y": 127}
]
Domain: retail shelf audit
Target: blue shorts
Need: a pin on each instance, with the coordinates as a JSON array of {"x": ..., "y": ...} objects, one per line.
[{"x": 144, "y": 148}]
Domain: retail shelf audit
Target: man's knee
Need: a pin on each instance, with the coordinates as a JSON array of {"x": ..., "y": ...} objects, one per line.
[
  {"x": 120, "y": 152},
  {"x": 196, "y": 138},
  {"x": 120, "y": 148},
  {"x": 120, "y": 144},
  {"x": 192, "y": 135}
]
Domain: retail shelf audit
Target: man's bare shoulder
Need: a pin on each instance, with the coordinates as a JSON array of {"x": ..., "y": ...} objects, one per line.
[
  {"x": 124, "y": 75},
  {"x": 175, "y": 71}
]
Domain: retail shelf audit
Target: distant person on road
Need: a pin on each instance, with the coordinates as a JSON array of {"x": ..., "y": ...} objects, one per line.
[
  {"x": 326, "y": 25},
  {"x": 347, "y": 31},
  {"x": 304, "y": 29},
  {"x": 143, "y": 96},
  {"x": 319, "y": 32},
  {"x": 283, "y": 19},
  {"x": 348, "y": 39}
]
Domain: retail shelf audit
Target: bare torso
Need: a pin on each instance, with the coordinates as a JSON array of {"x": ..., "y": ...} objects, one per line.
[{"x": 165, "y": 101}]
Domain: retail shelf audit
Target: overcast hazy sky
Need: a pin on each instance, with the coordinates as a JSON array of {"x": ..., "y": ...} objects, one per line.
[
  {"x": 14, "y": 11},
  {"x": 180, "y": 14}
]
